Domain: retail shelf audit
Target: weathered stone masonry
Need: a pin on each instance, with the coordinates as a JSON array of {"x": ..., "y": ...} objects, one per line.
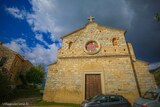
[
  {"x": 114, "y": 61},
  {"x": 14, "y": 65}
]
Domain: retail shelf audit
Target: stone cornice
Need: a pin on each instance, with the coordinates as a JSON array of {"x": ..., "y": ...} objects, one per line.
[{"x": 93, "y": 56}]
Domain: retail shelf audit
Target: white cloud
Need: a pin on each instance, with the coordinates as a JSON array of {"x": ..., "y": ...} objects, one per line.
[
  {"x": 16, "y": 12},
  {"x": 41, "y": 19},
  {"x": 37, "y": 54},
  {"x": 40, "y": 38},
  {"x": 17, "y": 45},
  {"x": 41, "y": 55}
]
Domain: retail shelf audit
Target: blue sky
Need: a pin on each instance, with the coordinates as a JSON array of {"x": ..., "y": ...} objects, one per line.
[{"x": 33, "y": 28}]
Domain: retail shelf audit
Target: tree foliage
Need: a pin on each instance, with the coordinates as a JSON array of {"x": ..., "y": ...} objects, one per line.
[
  {"x": 156, "y": 73},
  {"x": 35, "y": 74},
  {"x": 157, "y": 17}
]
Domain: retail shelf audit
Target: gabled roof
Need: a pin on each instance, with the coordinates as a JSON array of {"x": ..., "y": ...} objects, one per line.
[{"x": 98, "y": 25}]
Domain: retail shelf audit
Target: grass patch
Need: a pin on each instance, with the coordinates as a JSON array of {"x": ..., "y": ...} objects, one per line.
[{"x": 44, "y": 103}]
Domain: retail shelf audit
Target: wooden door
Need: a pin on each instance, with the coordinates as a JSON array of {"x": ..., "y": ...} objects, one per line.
[{"x": 92, "y": 85}]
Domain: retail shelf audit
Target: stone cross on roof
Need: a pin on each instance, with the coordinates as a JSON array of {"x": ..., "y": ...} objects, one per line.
[{"x": 90, "y": 18}]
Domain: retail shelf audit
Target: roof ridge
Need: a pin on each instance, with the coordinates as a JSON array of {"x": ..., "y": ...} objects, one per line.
[{"x": 10, "y": 50}]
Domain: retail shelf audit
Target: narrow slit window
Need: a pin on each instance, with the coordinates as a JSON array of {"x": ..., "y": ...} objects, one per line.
[{"x": 70, "y": 44}]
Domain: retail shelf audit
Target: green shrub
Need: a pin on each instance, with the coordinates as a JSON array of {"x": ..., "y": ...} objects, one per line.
[{"x": 35, "y": 75}]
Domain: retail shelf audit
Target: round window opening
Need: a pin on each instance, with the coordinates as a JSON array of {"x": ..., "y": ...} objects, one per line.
[{"x": 92, "y": 47}]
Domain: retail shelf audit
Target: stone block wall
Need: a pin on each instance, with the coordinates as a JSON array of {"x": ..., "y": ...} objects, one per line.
[
  {"x": 26, "y": 65},
  {"x": 66, "y": 78},
  {"x": 14, "y": 64},
  {"x": 74, "y": 44},
  {"x": 145, "y": 78},
  {"x": 9, "y": 55},
  {"x": 15, "y": 70}
]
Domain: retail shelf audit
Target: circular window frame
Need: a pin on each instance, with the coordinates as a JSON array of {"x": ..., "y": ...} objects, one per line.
[{"x": 98, "y": 49}]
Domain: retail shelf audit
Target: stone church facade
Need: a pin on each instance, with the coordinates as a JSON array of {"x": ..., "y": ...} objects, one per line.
[{"x": 96, "y": 60}]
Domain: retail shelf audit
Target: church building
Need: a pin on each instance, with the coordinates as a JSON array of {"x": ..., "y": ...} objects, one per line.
[{"x": 93, "y": 60}]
